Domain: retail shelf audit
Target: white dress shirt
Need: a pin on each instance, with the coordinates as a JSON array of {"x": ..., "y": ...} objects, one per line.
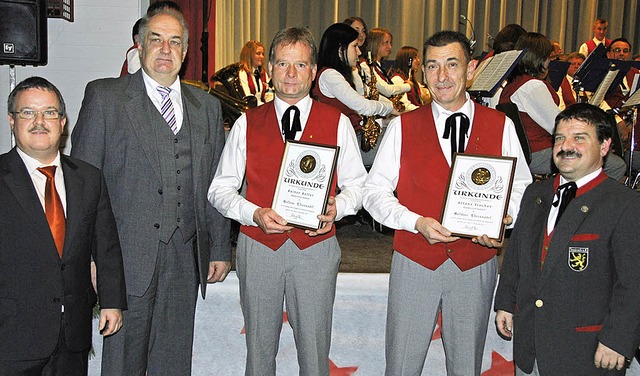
[
  {"x": 40, "y": 180},
  {"x": 584, "y": 49},
  {"x": 223, "y": 191},
  {"x": 384, "y": 88},
  {"x": 333, "y": 85},
  {"x": 176, "y": 96},
  {"x": 383, "y": 176},
  {"x": 553, "y": 213},
  {"x": 534, "y": 98}
]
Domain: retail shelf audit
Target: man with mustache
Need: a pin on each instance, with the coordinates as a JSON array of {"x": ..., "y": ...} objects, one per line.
[
  {"x": 569, "y": 290},
  {"x": 55, "y": 217}
]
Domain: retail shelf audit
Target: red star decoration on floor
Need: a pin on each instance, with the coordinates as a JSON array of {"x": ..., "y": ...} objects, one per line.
[
  {"x": 341, "y": 371},
  {"x": 437, "y": 334},
  {"x": 499, "y": 366},
  {"x": 285, "y": 319}
]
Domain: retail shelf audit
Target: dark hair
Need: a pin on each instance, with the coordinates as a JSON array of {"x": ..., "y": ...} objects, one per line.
[
  {"x": 588, "y": 114},
  {"x": 35, "y": 82},
  {"x": 349, "y": 21},
  {"x": 624, "y": 40},
  {"x": 403, "y": 62},
  {"x": 135, "y": 30},
  {"x": 333, "y": 49},
  {"x": 375, "y": 37},
  {"x": 538, "y": 48},
  {"x": 293, "y": 35},
  {"x": 144, "y": 24},
  {"x": 153, "y": 7},
  {"x": 600, "y": 21},
  {"x": 444, "y": 38},
  {"x": 508, "y": 34}
]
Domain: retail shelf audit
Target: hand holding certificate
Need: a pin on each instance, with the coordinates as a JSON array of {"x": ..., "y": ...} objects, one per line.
[
  {"x": 304, "y": 183},
  {"x": 477, "y": 196}
]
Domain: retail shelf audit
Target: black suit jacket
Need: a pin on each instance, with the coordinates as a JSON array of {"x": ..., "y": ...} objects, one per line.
[
  {"x": 34, "y": 281},
  {"x": 565, "y": 308}
]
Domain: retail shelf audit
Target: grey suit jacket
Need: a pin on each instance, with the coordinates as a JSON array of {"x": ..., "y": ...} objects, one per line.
[
  {"x": 114, "y": 134},
  {"x": 34, "y": 281},
  {"x": 588, "y": 289}
]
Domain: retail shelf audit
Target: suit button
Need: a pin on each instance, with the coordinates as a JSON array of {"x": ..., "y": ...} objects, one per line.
[
  {"x": 159, "y": 191},
  {"x": 63, "y": 266},
  {"x": 175, "y": 140},
  {"x": 178, "y": 172},
  {"x": 178, "y": 219},
  {"x": 539, "y": 303},
  {"x": 449, "y": 250},
  {"x": 156, "y": 225},
  {"x": 56, "y": 300}
]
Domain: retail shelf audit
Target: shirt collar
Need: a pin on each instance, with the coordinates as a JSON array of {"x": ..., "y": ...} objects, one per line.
[
  {"x": 152, "y": 86},
  {"x": 304, "y": 105},
  {"x": 440, "y": 113},
  {"x": 32, "y": 164},
  {"x": 583, "y": 180}
]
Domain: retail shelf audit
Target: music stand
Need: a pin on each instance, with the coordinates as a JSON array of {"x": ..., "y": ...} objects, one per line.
[
  {"x": 631, "y": 105},
  {"x": 557, "y": 72},
  {"x": 492, "y": 72}
]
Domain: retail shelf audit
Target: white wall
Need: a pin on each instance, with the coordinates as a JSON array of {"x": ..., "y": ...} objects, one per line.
[{"x": 91, "y": 47}]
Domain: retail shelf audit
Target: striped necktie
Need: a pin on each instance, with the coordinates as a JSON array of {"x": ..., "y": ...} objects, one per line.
[{"x": 166, "y": 108}]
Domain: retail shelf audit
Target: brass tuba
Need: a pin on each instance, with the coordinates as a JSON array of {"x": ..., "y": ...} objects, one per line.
[{"x": 370, "y": 129}]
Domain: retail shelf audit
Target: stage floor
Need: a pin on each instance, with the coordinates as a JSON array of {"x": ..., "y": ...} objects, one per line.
[{"x": 357, "y": 342}]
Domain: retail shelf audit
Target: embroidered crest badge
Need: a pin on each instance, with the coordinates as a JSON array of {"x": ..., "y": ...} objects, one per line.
[{"x": 578, "y": 258}]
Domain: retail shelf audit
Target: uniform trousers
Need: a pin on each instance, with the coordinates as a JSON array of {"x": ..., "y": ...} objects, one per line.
[
  {"x": 417, "y": 295},
  {"x": 63, "y": 362},
  {"x": 157, "y": 335},
  {"x": 307, "y": 280}
]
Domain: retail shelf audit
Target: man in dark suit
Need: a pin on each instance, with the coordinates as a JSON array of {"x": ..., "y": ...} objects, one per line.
[
  {"x": 569, "y": 288},
  {"x": 50, "y": 229},
  {"x": 158, "y": 143}
]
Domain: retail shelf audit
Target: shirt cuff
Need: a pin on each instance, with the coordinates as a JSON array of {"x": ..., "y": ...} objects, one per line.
[{"x": 408, "y": 221}]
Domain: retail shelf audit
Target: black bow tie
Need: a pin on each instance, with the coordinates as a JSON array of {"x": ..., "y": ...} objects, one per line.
[
  {"x": 565, "y": 193},
  {"x": 289, "y": 128},
  {"x": 258, "y": 77},
  {"x": 450, "y": 129}
]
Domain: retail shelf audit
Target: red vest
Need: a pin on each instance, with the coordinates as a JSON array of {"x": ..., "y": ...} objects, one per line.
[
  {"x": 591, "y": 45},
  {"x": 568, "y": 95},
  {"x": 422, "y": 183},
  {"x": 353, "y": 116},
  {"x": 539, "y": 138},
  {"x": 264, "y": 156}
]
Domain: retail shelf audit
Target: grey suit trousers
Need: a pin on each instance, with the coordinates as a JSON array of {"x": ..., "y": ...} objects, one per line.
[
  {"x": 417, "y": 295},
  {"x": 307, "y": 279}
]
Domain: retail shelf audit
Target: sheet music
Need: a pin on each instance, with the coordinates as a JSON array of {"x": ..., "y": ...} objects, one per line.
[
  {"x": 634, "y": 84},
  {"x": 598, "y": 96},
  {"x": 492, "y": 71},
  {"x": 634, "y": 99}
]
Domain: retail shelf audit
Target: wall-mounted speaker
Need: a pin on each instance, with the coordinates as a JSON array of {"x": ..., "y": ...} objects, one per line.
[{"x": 23, "y": 32}]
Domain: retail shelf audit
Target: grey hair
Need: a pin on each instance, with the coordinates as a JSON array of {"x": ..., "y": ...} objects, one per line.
[
  {"x": 293, "y": 35},
  {"x": 144, "y": 25}
]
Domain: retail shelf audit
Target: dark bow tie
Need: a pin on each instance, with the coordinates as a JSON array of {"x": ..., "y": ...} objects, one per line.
[{"x": 451, "y": 129}]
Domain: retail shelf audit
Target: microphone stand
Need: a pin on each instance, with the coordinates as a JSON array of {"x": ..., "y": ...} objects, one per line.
[
  {"x": 205, "y": 41},
  {"x": 472, "y": 38}
]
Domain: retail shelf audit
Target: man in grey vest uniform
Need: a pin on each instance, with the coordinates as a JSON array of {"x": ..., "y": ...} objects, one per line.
[{"x": 158, "y": 143}]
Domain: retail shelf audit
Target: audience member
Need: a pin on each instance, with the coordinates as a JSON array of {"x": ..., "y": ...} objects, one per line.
[
  {"x": 276, "y": 262},
  {"x": 432, "y": 270},
  {"x": 569, "y": 290},
  {"x": 158, "y": 143},
  {"x": 55, "y": 217}
]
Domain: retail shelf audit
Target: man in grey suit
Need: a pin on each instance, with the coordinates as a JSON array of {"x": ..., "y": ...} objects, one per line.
[
  {"x": 158, "y": 143},
  {"x": 569, "y": 288}
]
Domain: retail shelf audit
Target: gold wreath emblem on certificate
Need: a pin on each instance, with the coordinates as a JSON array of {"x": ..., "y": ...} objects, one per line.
[
  {"x": 481, "y": 176},
  {"x": 307, "y": 164}
]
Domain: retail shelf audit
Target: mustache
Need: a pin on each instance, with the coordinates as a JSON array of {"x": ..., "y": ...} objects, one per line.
[
  {"x": 38, "y": 128},
  {"x": 568, "y": 153}
]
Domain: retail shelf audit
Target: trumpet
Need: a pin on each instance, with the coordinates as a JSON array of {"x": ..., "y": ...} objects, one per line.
[{"x": 370, "y": 129}]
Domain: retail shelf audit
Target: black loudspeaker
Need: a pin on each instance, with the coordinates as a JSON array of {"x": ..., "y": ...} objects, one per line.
[{"x": 23, "y": 32}]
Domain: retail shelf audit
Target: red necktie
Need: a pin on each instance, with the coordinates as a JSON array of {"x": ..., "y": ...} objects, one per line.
[{"x": 53, "y": 208}]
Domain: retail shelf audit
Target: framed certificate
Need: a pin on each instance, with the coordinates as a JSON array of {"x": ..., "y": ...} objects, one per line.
[
  {"x": 304, "y": 183},
  {"x": 477, "y": 196}
]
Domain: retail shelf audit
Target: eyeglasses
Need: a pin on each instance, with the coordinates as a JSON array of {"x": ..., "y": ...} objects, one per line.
[
  {"x": 618, "y": 50},
  {"x": 29, "y": 114}
]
